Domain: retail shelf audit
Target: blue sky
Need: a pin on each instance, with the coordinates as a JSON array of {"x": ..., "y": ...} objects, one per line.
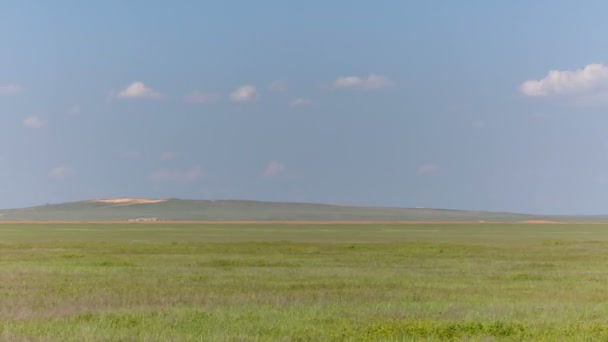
[{"x": 466, "y": 105}]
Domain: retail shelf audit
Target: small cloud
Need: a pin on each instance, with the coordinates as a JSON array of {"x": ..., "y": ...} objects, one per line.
[
  {"x": 427, "y": 169},
  {"x": 74, "y": 110},
  {"x": 10, "y": 89},
  {"x": 300, "y": 102},
  {"x": 59, "y": 172},
  {"x": 198, "y": 97},
  {"x": 245, "y": 93},
  {"x": 180, "y": 176},
  {"x": 279, "y": 85},
  {"x": 371, "y": 82},
  {"x": 274, "y": 168},
  {"x": 455, "y": 107},
  {"x": 601, "y": 180},
  {"x": 33, "y": 122},
  {"x": 130, "y": 155},
  {"x": 591, "y": 79},
  {"x": 168, "y": 155},
  {"x": 478, "y": 124},
  {"x": 137, "y": 90}
]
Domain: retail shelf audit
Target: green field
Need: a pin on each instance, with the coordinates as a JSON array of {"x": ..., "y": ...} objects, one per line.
[{"x": 189, "y": 282}]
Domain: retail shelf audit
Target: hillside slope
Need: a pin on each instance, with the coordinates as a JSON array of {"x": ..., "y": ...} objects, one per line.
[{"x": 232, "y": 210}]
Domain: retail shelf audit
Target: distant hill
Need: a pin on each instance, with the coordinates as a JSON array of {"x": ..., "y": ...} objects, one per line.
[{"x": 124, "y": 209}]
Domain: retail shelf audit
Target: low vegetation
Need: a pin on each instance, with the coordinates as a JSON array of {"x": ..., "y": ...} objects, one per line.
[
  {"x": 190, "y": 282},
  {"x": 124, "y": 209}
]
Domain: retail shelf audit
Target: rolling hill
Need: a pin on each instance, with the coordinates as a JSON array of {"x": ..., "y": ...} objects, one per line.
[{"x": 234, "y": 210}]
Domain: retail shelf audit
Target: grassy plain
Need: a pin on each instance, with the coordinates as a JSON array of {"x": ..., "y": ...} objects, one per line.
[{"x": 342, "y": 282}]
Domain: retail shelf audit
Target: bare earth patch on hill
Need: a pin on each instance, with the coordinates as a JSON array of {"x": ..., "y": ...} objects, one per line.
[
  {"x": 128, "y": 201},
  {"x": 539, "y": 222}
]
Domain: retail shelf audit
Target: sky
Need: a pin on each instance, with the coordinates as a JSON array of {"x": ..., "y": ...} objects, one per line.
[{"x": 479, "y": 105}]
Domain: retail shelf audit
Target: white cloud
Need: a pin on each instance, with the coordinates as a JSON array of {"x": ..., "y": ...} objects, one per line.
[
  {"x": 274, "y": 168},
  {"x": 10, "y": 89},
  {"x": 245, "y": 93},
  {"x": 456, "y": 107},
  {"x": 137, "y": 90},
  {"x": 75, "y": 110},
  {"x": 427, "y": 169},
  {"x": 33, "y": 122},
  {"x": 371, "y": 82},
  {"x": 169, "y": 155},
  {"x": 182, "y": 176},
  {"x": 130, "y": 155},
  {"x": 300, "y": 102},
  {"x": 59, "y": 172},
  {"x": 199, "y": 97},
  {"x": 279, "y": 85},
  {"x": 591, "y": 79}
]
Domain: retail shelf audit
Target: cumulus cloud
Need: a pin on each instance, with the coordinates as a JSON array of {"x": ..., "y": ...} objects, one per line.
[
  {"x": 138, "y": 90},
  {"x": 169, "y": 155},
  {"x": 427, "y": 169},
  {"x": 456, "y": 107},
  {"x": 593, "y": 78},
  {"x": 279, "y": 85},
  {"x": 182, "y": 176},
  {"x": 371, "y": 82},
  {"x": 245, "y": 93},
  {"x": 74, "y": 110},
  {"x": 300, "y": 102},
  {"x": 478, "y": 124},
  {"x": 130, "y": 155},
  {"x": 59, "y": 172},
  {"x": 274, "y": 168},
  {"x": 10, "y": 89},
  {"x": 33, "y": 122},
  {"x": 199, "y": 97}
]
